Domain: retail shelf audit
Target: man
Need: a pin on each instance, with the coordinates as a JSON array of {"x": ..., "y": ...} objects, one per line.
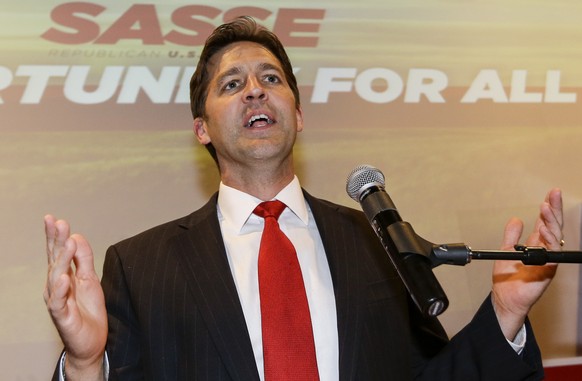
[{"x": 181, "y": 301}]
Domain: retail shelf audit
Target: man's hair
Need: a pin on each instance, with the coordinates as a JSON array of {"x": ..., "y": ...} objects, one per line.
[{"x": 243, "y": 28}]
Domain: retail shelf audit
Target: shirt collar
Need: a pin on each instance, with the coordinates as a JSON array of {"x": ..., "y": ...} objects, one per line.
[{"x": 236, "y": 206}]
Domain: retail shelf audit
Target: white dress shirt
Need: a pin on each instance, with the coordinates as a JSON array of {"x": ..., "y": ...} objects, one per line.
[{"x": 242, "y": 230}]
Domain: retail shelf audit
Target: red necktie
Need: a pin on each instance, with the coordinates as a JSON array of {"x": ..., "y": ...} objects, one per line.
[{"x": 288, "y": 346}]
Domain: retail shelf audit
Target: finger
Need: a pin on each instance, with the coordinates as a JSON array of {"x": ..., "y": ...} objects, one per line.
[
  {"x": 83, "y": 258},
  {"x": 63, "y": 232},
  {"x": 512, "y": 233},
  {"x": 57, "y": 232},
  {"x": 550, "y": 239},
  {"x": 50, "y": 233},
  {"x": 554, "y": 199},
  {"x": 58, "y": 297},
  {"x": 62, "y": 263},
  {"x": 551, "y": 221}
]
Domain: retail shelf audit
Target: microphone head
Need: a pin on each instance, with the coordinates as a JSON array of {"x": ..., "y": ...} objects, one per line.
[{"x": 361, "y": 179}]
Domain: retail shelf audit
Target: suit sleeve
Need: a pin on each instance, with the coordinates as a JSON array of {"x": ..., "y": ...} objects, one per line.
[
  {"x": 123, "y": 342},
  {"x": 478, "y": 352}
]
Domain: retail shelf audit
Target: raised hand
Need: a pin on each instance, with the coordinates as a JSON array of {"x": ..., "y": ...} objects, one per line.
[
  {"x": 517, "y": 287},
  {"x": 75, "y": 300}
]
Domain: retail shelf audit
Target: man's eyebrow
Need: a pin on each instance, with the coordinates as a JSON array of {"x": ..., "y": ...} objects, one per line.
[
  {"x": 232, "y": 71},
  {"x": 269, "y": 66}
]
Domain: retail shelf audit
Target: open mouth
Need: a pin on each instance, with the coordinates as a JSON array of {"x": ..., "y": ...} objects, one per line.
[{"x": 260, "y": 120}]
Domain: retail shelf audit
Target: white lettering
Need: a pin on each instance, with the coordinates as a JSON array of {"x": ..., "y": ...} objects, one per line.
[
  {"x": 76, "y": 81},
  {"x": 553, "y": 94},
  {"x": 427, "y": 82},
  {"x": 364, "y": 83},
  {"x": 518, "y": 92},
  {"x": 486, "y": 85},
  {"x": 326, "y": 82},
  {"x": 171, "y": 84},
  {"x": 39, "y": 79},
  {"x": 183, "y": 95},
  {"x": 140, "y": 78},
  {"x": 5, "y": 79}
]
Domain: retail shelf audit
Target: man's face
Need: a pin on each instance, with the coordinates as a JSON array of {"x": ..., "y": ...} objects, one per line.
[{"x": 250, "y": 109}]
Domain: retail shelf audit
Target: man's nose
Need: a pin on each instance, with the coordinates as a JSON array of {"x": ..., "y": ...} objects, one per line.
[{"x": 254, "y": 91}]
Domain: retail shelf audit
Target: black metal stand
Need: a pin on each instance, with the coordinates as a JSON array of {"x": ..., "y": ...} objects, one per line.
[{"x": 461, "y": 254}]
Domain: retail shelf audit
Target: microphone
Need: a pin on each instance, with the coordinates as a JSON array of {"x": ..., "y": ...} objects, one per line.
[{"x": 408, "y": 252}]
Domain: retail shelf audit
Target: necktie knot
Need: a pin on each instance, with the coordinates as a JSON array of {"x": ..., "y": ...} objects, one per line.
[{"x": 270, "y": 209}]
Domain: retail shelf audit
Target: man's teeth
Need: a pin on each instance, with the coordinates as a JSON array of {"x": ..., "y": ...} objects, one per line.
[{"x": 254, "y": 118}]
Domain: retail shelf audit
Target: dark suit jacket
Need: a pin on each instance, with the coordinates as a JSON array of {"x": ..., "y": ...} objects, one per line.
[{"x": 174, "y": 312}]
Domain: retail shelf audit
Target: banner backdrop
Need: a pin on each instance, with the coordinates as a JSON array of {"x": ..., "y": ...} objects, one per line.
[{"x": 471, "y": 109}]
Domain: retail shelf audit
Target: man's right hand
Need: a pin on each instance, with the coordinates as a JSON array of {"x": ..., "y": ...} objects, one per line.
[{"x": 75, "y": 300}]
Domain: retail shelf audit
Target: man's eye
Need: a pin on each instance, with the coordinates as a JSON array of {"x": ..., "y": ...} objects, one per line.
[
  {"x": 230, "y": 85},
  {"x": 272, "y": 78}
]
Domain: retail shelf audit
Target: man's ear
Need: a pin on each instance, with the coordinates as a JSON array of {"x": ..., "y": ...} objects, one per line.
[
  {"x": 299, "y": 116},
  {"x": 200, "y": 131}
]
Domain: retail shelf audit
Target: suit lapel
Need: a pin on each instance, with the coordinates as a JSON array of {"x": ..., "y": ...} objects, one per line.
[
  {"x": 341, "y": 249},
  {"x": 202, "y": 253}
]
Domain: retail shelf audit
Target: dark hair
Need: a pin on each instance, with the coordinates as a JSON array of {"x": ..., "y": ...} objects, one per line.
[{"x": 243, "y": 28}]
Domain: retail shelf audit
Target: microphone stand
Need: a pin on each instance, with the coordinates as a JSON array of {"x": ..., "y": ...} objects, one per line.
[
  {"x": 408, "y": 244},
  {"x": 461, "y": 254}
]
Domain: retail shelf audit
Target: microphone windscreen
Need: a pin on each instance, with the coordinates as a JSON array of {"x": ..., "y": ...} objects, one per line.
[{"x": 361, "y": 178}]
